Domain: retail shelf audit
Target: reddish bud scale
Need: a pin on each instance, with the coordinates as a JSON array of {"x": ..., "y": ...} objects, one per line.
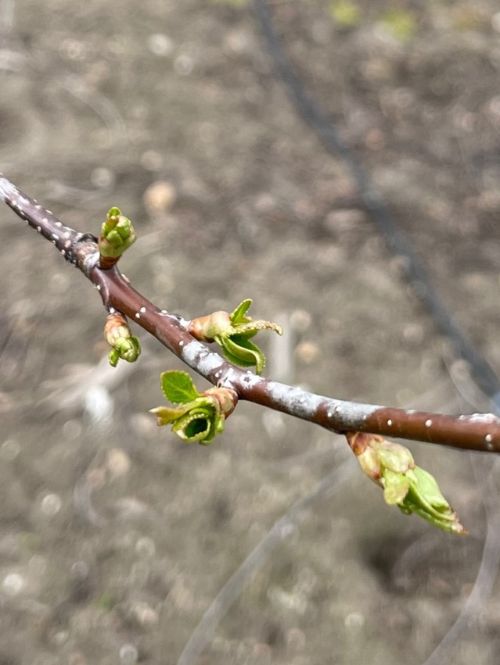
[
  {"x": 107, "y": 262},
  {"x": 359, "y": 441},
  {"x": 115, "y": 328},
  {"x": 227, "y": 398},
  {"x": 204, "y": 328}
]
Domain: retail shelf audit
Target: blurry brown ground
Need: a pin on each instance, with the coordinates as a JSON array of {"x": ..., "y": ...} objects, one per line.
[{"x": 114, "y": 536}]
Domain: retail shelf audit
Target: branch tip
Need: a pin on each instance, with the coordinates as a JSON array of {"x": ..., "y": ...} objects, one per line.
[{"x": 117, "y": 235}]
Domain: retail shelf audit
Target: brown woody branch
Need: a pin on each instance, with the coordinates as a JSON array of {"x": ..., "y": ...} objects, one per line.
[{"x": 480, "y": 432}]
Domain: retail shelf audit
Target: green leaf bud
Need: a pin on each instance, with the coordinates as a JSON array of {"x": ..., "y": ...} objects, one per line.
[
  {"x": 117, "y": 235},
  {"x": 405, "y": 485},
  {"x": 124, "y": 344}
]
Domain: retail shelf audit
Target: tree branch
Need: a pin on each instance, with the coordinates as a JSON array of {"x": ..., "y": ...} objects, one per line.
[{"x": 480, "y": 432}]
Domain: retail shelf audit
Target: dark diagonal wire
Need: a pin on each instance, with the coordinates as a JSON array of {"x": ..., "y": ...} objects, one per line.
[
  {"x": 399, "y": 244},
  {"x": 397, "y": 241}
]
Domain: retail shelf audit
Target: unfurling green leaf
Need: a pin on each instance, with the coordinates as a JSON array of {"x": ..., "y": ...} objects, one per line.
[
  {"x": 241, "y": 351},
  {"x": 405, "y": 485},
  {"x": 200, "y": 424},
  {"x": 199, "y": 420},
  {"x": 425, "y": 499},
  {"x": 178, "y": 387},
  {"x": 196, "y": 416},
  {"x": 238, "y": 315},
  {"x": 166, "y": 415},
  {"x": 232, "y": 333},
  {"x": 113, "y": 357},
  {"x": 126, "y": 349},
  {"x": 117, "y": 234},
  {"x": 396, "y": 487}
]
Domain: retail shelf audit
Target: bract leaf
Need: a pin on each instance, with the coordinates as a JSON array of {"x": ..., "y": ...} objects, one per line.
[{"x": 166, "y": 415}]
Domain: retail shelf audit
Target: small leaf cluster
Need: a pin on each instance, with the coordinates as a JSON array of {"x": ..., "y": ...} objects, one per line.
[
  {"x": 405, "y": 484},
  {"x": 117, "y": 234},
  {"x": 195, "y": 417},
  {"x": 123, "y": 344},
  {"x": 233, "y": 333},
  {"x": 126, "y": 349}
]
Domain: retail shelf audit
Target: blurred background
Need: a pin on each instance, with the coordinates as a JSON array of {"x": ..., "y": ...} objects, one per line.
[{"x": 119, "y": 544}]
